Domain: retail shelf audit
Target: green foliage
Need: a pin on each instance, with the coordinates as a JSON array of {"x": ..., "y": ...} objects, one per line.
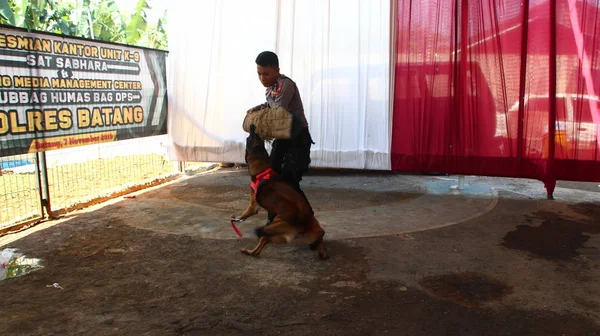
[
  {"x": 138, "y": 22},
  {"x": 94, "y": 19},
  {"x": 157, "y": 35},
  {"x": 109, "y": 24},
  {"x": 6, "y": 12}
]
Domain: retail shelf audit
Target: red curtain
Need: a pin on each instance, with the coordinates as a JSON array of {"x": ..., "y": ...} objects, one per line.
[{"x": 498, "y": 88}]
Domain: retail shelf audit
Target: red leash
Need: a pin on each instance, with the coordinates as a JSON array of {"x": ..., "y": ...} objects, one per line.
[{"x": 239, "y": 233}]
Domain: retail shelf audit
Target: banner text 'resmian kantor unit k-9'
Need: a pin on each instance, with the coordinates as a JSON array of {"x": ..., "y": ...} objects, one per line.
[{"x": 58, "y": 92}]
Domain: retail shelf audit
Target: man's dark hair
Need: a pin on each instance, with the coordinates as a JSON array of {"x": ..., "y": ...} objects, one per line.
[{"x": 267, "y": 59}]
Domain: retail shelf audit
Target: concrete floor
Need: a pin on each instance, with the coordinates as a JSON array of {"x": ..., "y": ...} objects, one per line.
[{"x": 409, "y": 255}]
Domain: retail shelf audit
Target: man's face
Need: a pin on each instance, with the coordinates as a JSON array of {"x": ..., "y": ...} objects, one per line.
[{"x": 267, "y": 75}]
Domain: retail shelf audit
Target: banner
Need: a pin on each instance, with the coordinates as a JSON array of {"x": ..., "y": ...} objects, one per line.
[{"x": 58, "y": 92}]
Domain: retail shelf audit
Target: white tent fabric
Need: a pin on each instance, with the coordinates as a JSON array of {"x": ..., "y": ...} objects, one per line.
[{"x": 338, "y": 53}]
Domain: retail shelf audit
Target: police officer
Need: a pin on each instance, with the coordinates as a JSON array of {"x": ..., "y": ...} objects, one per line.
[{"x": 289, "y": 157}]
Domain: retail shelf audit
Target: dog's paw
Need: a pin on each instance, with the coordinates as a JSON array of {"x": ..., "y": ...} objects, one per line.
[
  {"x": 323, "y": 255},
  {"x": 247, "y": 252}
]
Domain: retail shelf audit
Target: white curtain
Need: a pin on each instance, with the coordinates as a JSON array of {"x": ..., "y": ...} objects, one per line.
[{"x": 338, "y": 53}]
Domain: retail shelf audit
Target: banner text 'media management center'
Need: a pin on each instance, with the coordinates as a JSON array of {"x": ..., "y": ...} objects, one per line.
[{"x": 58, "y": 92}]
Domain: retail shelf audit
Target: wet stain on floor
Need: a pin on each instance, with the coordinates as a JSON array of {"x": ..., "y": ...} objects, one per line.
[
  {"x": 552, "y": 241},
  {"x": 557, "y": 237},
  {"x": 468, "y": 288}
]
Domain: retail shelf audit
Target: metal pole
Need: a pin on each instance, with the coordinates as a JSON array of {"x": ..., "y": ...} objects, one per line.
[
  {"x": 522, "y": 83},
  {"x": 550, "y": 182},
  {"x": 38, "y": 182},
  {"x": 45, "y": 185},
  {"x": 178, "y": 166}
]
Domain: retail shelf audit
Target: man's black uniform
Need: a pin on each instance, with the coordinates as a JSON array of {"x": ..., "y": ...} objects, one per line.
[{"x": 290, "y": 157}]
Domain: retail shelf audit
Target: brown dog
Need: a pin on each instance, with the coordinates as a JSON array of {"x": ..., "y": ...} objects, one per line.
[{"x": 270, "y": 191}]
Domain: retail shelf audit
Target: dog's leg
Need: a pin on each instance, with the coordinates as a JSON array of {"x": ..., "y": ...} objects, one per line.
[
  {"x": 278, "y": 232},
  {"x": 320, "y": 247},
  {"x": 256, "y": 251},
  {"x": 316, "y": 237},
  {"x": 250, "y": 211}
]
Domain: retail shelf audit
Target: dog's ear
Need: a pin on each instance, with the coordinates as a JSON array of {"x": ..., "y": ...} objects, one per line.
[{"x": 252, "y": 128}]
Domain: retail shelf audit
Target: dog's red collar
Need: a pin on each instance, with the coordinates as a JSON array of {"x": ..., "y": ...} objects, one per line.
[{"x": 263, "y": 176}]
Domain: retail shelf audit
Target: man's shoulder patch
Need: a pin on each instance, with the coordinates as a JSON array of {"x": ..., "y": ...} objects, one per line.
[{"x": 277, "y": 88}]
